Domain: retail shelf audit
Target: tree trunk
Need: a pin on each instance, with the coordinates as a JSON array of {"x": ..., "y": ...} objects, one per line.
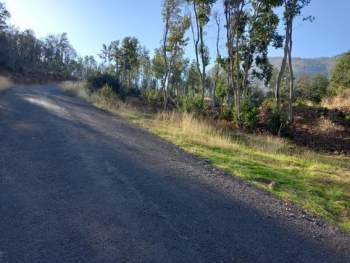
[
  {"x": 198, "y": 46},
  {"x": 291, "y": 72},
  {"x": 202, "y": 51},
  {"x": 230, "y": 64},
  {"x": 283, "y": 68}
]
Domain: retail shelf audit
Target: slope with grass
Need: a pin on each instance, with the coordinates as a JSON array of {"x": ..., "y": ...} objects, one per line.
[{"x": 317, "y": 182}]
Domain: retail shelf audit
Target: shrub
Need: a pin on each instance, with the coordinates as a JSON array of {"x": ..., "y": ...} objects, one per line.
[
  {"x": 248, "y": 117},
  {"x": 105, "y": 97},
  {"x": 99, "y": 80},
  {"x": 275, "y": 119},
  {"x": 225, "y": 113},
  {"x": 341, "y": 74},
  {"x": 347, "y": 118},
  {"x": 191, "y": 103},
  {"x": 153, "y": 97}
]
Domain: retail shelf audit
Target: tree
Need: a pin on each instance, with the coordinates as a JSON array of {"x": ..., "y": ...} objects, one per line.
[
  {"x": 4, "y": 15},
  {"x": 251, "y": 26},
  {"x": 129, "y": 62},
  {"x": 202, "y": 11},
  {"x": 193, "y": 80},
  {"x": 312, "y": 88},
  {"x": 217, "y": 66},
  {"x": 292, "y": 9},
  {"x": 173, "y": 42},
  {"x": 145, "y": 70},
  {"x": 340, "y": 79}
]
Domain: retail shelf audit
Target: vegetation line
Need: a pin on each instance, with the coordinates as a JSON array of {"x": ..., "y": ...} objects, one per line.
[{"x": 317, "y": 182}]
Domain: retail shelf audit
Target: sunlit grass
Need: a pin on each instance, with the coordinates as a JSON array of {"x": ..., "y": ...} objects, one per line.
[
  {"x": 340, "y": 101},
  {"x": 5, "y": 83},
  {"x": 319, "y": 183}
]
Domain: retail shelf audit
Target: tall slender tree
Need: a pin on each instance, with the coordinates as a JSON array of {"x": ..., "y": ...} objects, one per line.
[
  {"x": 173, "y": 42},
  {"x": 292, "y": 9},
  {"x": 202, "y": 12}
]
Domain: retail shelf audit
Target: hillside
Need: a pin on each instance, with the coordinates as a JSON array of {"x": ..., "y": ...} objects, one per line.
[{"x": 322, "y": 65}]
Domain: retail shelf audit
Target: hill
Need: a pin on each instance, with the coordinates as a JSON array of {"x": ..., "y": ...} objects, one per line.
[{"x": 312, "y": 66}]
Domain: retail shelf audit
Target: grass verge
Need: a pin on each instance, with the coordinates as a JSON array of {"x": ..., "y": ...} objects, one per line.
[{"x": 319, "y": 183}]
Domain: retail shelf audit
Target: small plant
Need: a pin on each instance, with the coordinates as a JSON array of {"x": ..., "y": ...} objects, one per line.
[
  {"x": 191, "y": 103},
  {"x": 275, "y": 119},
  {"x": 153, "y": 97},
  {"x": 105, "y": 98},
  {"x": 278, "y": 122},
  {"x": 248, "y": 117},
  {"x": 226, "y": 113}
]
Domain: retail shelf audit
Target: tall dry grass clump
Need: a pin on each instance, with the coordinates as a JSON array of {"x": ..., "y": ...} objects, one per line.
[
  {"x": 340, "y": 101},
  {"x": 5, "y": 83},
  {"x": 76, "y": 88}
]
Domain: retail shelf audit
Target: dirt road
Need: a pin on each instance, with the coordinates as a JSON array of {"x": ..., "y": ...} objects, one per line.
[{"x": 80, "y": 185}]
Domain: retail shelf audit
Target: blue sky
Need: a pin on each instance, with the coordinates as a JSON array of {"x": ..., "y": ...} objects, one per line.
[{"x": 90, "y": 23}]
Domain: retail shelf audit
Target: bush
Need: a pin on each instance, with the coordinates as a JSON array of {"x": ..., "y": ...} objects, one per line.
[
  {"x": 248, "y": 117},
  {"x": 312, "y": 88},
  {"x": 105, "y": 97},
  {"x": 347, "y": 118},
  {"x": 341, "y": 74},
  {"x": 153, "y": 97},
  {"x": 226, "y": 113},
  {"x": 99, "y": 80},
  {"x": 275, "y": 119},
  {"x": 191, "y": 104}
]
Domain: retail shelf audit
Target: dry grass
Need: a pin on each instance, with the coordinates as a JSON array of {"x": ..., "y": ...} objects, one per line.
[
  {"x": 5, "y": 83},
  {"x": 341, "y": 101},
  {"x": 319, "y": 183},
  {"x": 76, "y": 89}
]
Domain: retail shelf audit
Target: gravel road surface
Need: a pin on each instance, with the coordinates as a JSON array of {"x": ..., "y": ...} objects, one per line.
[{"x": 80, "y": 185}]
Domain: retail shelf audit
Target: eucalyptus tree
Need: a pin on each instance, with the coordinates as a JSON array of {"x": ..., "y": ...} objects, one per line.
[
  {"x": 4, "y": 47},
  {"x": 4, "y": 15},
  {"x": 251, "y": 26},
  {"x": 202, "y": 12},
  {"x": 145, "y": 69},
  {"x": 261, "y": 32},
  {"x": 216, "y": 70},
  {"x": 192, "y": 80},
  {"x": 292, "y": 9},
  {"x": 105, "y": 54},
  {"x": 173, "y": 43},
  {"x": 235, "y": 24},
  {"x": 129, "y": 62}
]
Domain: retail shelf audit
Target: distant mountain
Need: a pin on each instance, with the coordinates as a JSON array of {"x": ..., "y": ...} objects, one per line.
[{"x": 312, "y": 66}]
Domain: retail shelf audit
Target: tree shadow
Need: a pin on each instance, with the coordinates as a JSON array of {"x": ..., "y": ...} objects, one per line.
[{"x": 103, "y": 190}]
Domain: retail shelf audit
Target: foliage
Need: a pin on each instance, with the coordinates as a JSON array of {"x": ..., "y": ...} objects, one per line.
[
  {"x": 153, "y": 97},
  {"x": 100, "y": 80},
  {"x": 192, "y": 103},
  {"x": 312, "y": 88},
  {"x": 278, "y": 122},
  {"x": 226, "y": 113},
  {"x": 275, "y": 119},
  {"x": 23, "y": 53},
  {"x": 249, "y": 115},
  {"x": 340, "y": 79}
]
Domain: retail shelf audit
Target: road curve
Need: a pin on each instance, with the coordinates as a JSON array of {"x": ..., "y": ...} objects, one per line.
[{"x": 80, "y": 185}]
